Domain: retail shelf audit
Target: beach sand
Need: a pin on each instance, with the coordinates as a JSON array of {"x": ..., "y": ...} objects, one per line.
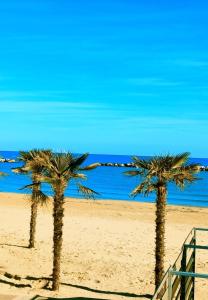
[{"x": 108, "y": 248}]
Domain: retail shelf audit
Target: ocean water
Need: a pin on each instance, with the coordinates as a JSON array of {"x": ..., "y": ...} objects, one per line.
[{"x": 111, "y": 183}]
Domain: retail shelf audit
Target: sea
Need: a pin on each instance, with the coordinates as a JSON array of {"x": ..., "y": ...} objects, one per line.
[{"x": 110, "y": 182}]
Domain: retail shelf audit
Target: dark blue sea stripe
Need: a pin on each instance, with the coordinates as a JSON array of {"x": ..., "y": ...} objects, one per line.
[{"x": 111, "y": 183}]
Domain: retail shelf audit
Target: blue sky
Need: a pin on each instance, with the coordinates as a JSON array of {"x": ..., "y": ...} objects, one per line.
[{"x": 120, "y": 77}]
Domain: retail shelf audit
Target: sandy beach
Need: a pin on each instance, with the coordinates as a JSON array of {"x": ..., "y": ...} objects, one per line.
[{"x": 108, "y": 248}]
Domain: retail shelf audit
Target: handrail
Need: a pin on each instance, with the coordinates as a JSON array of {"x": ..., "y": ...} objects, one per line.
[
  {"x": 189, "y": 274},
  {"x": 186, "y": 268},
  {"x": 161, "y": 284}
]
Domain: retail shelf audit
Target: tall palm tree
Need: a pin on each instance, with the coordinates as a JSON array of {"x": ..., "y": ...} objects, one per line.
[
  {"x": 59, "y": 170},
  {"x": 155, "y": 175},
  {"x": 33, "y": 168}
]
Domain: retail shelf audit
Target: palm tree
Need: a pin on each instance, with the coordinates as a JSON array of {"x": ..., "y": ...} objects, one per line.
[
  {"x": 34, "y": 169},
  {"x": 59, "y": 170},
  {"x": 155, "y": 175}
]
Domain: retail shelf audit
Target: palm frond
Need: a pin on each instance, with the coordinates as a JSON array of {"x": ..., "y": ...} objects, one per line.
[
  {"x": 139, "y": 189},
  {"x": 86, "y": 192},
  {"x": 3, "y": 174},
  {"x": 90, "y": 167},
  {"x": 180, "y": 159},
  {"x": 140, "y": 163},
  {"x": 184, "y": 177},
  {"x": 195, "y": 168},
  {"x": 63, "y": 162},
  {"x": 28, "y": 186},
  {"x": 144, "y": 188},
  {"x": 19, "y": 170},
  {"x": 60, "y": 168},
  {"x": 46, "y": 179},
  {"x": 78, "y": 175},
  {"x": 161, "y": 170},
  {"x": 40, "y": 197},
  {"x": 34, "y": 160},
  {"x": 23, "y": 156},
  {"x": 132, "y": 173},
  {"x": 135, "y": 158},
  {"x": 77, "y": 161},
  {"x": 149, "y": 189}
]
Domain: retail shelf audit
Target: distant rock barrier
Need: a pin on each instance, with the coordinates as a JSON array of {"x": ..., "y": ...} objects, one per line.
[
  {"x": 7, "y": 160},
  {"x": 127, "y": 165},
  {"x": 132, "y": 165},
  {"x": 204, "y": 168},
  {"x": 109, "y": 164}
]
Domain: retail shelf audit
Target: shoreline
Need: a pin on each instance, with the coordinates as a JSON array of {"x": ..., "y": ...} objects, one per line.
[
  {"x": 108, "y": 247},
  {"x": 112, "y": 200}
]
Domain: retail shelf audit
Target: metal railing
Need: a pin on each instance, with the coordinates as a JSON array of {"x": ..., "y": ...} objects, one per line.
[{"x": 179, "y": 280}]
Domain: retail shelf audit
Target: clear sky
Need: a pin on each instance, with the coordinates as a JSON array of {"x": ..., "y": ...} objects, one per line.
[{"x": 113, "y": 76}]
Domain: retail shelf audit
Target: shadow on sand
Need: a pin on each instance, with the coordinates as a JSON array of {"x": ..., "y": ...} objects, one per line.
[
  {"x": 124, "y": 294},
  {"x": 11, "y": 245},
  {"x": 73, "y": 298},
  {"x": 48, "y": 279},
  {"x": 17, "y": 285}
]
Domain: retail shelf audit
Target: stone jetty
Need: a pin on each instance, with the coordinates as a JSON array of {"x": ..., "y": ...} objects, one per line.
[
  {"x": 127, "y": 165},
  {"x": 132, "y": 165},
  {"x": 7, "y": 160},
  {"x": 204, "y": 168},
  {"x": 108, "y": 164}
]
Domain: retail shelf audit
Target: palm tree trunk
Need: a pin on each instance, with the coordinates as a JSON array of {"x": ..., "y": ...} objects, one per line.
[
  {"x": 58, "y": 214},
  {"x": 33, "y": 217},
  {"x": 160, "y": 234}
]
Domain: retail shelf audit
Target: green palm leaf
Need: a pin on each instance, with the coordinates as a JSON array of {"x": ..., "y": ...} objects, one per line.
[
  {"x": 90, "y": 167},
  {"x": 87, "y": 192},
  {"x": 132, "y": 173},
  {"x": 20, "y": 170},
  {"x": 180, "y": 159},
  {"x": 3, "y": 174},
  {"x": 76, "y": 162},
  {"x": 40, "y": 197},
  {"x": 28, "y": 186}
]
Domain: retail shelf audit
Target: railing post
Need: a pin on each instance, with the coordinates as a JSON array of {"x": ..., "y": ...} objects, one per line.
[
  {"x": 194, "y": 266},
  {"x": 170, "y": 284},
  {"x": 181, "y": 282},
  {"x": 183, "y": 269}
]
